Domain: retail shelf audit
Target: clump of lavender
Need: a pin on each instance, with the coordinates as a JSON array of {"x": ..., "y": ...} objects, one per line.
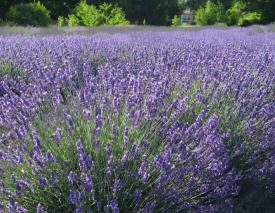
[{"x": 157, "y": 168}]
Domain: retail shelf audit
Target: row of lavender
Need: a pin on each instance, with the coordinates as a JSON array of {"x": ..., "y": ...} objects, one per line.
[{"x": 139, "y": 122}]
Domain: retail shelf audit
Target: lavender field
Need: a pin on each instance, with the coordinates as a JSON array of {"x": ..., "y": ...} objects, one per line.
[{"x": 178, "y": 121}]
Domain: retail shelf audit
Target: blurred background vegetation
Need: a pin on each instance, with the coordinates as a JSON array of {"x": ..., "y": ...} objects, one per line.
[{"x": 149, "y": 12}]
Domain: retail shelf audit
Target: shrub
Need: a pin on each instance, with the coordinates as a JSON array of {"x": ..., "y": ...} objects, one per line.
[
  {"x": 176, "y": 21},
  {"x": 105, "y": 162},
  {"x": 237, "y": 15},
  {"x": 112, "y": 14},
  {"x": 88, "y": 15},
  {"x": 234, "y": 14},
  {"x": 73, "y": 20},
  {"x": 250, "y": 18},
  {"x": 60, "y": 21},
  {"x": 210, "y": 14},
  {"x": 34, "y": 14}
]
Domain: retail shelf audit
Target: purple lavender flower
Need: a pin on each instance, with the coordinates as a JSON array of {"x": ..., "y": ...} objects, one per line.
[
  {"x": 79, "y": 210},
  {"x": 117, "y": 186},
  {"x": 72, "y": 177},
  {"x": 35, "y": 170},
  {"x": 87, "y": 182},
  {"x": 125, "y": 136},
  {"x": 13, "y": 206},
  {"x": 58, "y": 135},
  {"x": 43, "y": 181},
  {"x": 40, "y": 209},
  {"x": 49, "y": 157},
  {"x": 1, "y": 206},
  {"x": 114, "y": 206},
  {"x": 144, "y": 144},
  {"x": 135, "y": 151},
  {"x": 138, "y": 194},
  {"x": 54, "y": 177},
  {"x": 74, "y": 196},
  {"x": 70, "y": 122},
  {"x": 98, "y": 206},
  {"x": 96, "y": 144},
  {"x": 69, "y": 119}
]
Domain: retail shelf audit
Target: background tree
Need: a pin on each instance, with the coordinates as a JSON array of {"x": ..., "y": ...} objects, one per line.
[
  {"x": 154, "y": 12},
  {"x": 60, "y": 7},
  {"x": 266, "y": 7},
  {"x": 196, "y": 4},
  {"x": 5, "y": 5}
]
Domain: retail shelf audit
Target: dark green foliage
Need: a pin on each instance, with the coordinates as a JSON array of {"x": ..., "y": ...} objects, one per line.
[
  {"x": 6, "y": 4},
  {"x": 265, "y": 7},
  {"x": 196, "y": 4},
  {"x": 33, "y": 14},
  {"x": 154, "y": 12},
  {"x": 1, "y": 22},
  {"x": 60, "y": 7}
]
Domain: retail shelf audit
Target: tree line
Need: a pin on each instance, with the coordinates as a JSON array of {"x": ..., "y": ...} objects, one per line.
[{"x": 153, "y": 12}]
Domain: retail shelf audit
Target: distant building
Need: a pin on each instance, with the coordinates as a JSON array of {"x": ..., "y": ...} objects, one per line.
[{"x": 188, "y": 16}]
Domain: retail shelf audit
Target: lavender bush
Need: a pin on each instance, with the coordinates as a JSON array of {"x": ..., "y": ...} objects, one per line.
[{"x": 138, "y": 122}]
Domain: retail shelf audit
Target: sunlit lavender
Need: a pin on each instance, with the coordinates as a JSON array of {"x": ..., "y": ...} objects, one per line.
[{"x": 137, "y": 121}]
